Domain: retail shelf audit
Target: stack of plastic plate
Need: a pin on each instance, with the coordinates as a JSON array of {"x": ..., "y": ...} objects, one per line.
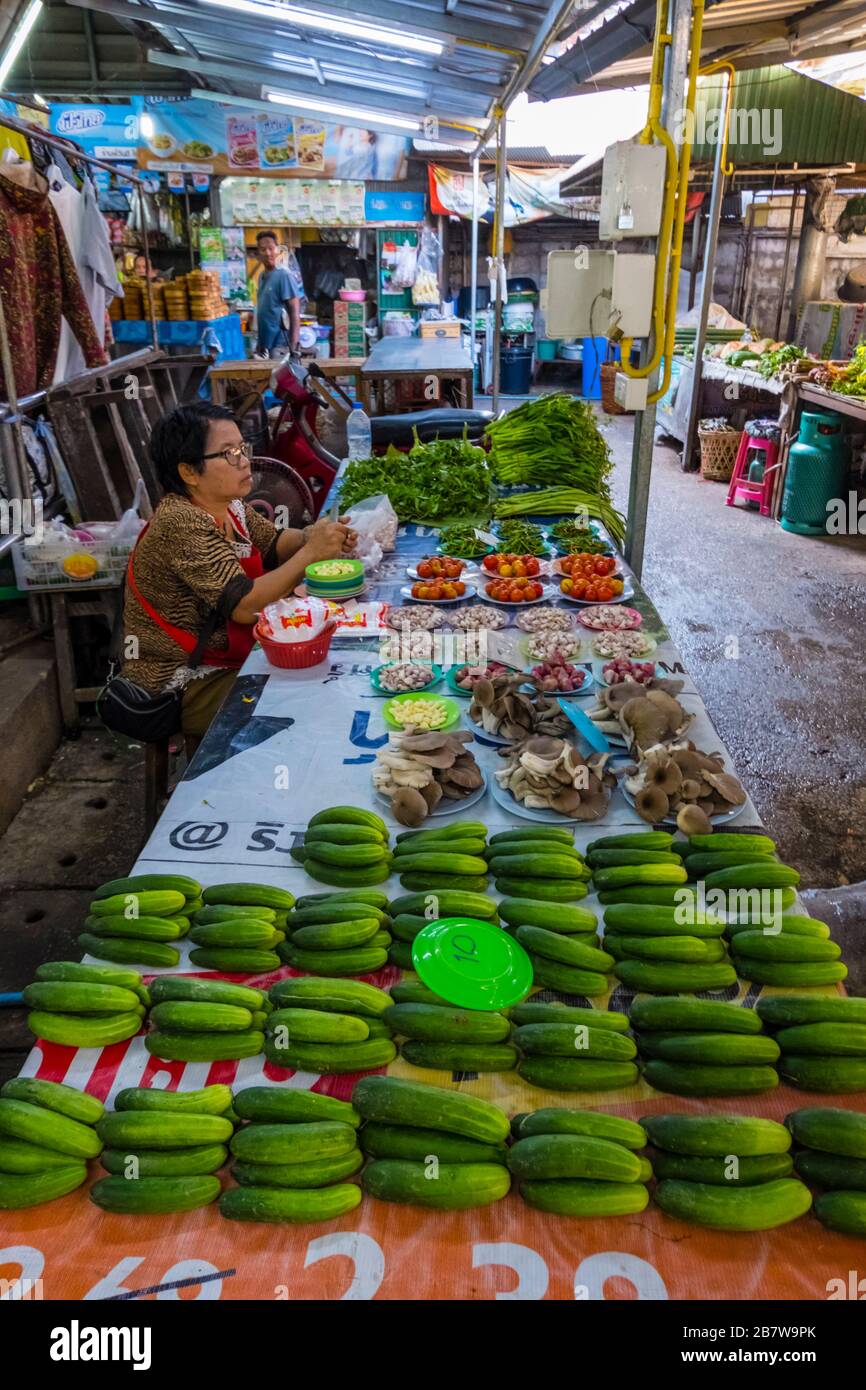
[{"x": 335, "y": 579}]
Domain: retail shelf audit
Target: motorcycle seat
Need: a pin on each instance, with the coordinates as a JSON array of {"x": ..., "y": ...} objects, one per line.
[{"x": 443, "y": 423}]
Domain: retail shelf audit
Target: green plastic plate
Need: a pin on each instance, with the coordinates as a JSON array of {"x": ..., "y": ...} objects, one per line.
[{"x": 472, "y": 964}]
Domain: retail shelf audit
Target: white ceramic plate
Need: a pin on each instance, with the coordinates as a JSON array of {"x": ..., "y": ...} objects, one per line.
[
  {"x": 721, "y": 817},
  {"x": 514, "y": 807},
  {"x": 406, "y": 591},
  {"x": 446, "y": 807}
]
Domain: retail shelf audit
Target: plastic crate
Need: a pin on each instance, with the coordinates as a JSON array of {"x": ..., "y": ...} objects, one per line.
[{"x": 45, "y": 566}]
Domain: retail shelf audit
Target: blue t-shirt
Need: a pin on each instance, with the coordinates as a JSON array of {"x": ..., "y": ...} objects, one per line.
[{"x": 276, "y": 287}]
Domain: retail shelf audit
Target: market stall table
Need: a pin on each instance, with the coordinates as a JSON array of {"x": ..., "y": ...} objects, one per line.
[
  {"x": 284, "y": 746},
  {"x": 429, "y": 361},
  {"x": 187, "y": 333}
]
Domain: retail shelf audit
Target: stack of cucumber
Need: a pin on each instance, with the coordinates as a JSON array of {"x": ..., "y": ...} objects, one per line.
[
  {"x": 135, "y": 920},
  {"x": 566, "y": 1049},
  {"x": 580, "y": 1163},
  {"x": 201, "y": 1020},
  {"x": 562, "y": 943},
  {"x": 823, "y": 1040},
  {"x": 292, "y": 1157},
  {"x": 328, "y": 1026},
  {"x": 338, "y": 933},
  {"x": 450, "y": 856},
  {"x": 239, "y": 926},
  {"x": 429, "y": 1147},
  {"x": 644, "y": 858},
  {"x": 730, "y": 1172},
  {"x": 658, "y": 952},
  {"x": 413, "y": 911},
  {"x": 162, "y": 1150},
  {"x": 85, "y": 1005},
  {"x": 796, "y": 952},
  {"x": 833, "y": 1156},
  {"x": 347, "y": 847},
  {"x": 538, "y": 862},
  {"x": 701, "y": 1047},
  {"x": 46, "y": 1137},
  {"x": 446, "y": 1038}
]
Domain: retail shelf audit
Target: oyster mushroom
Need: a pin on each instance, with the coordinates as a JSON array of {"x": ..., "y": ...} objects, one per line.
[
  {"x": 727, "y": 786},
  {"x": 707, "y": 805},
  {"x": 690, "y": 790},
  {"x": 691, "y": 820},
  {"x": 432, "y": 794},
  {"x": 643, "y": 723},
  {"x": 666, "y": 776},
  {"x": 652, "y": 804},
  {"x": 567, "y": 801},
  {"x": 409, "y": 806}
]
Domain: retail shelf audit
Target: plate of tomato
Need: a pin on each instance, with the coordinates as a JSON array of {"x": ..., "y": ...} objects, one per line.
[
  {"x": 506, "y": 565},
  {"x": 438, "y": 591},
  {"x": 515, "y": 592},
  {"x": 580, "y": 589},
  {"x": 590, "y": 566},
  {"x": 437, "y": 567}
]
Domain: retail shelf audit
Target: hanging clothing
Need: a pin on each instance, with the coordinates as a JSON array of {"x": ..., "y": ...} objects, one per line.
[
  {"x": 38, "y": 282},
  {"x": 87, "y": 234}
]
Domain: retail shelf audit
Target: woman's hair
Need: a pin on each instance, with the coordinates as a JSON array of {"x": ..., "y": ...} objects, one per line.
[{"x": 181, "y": 437}]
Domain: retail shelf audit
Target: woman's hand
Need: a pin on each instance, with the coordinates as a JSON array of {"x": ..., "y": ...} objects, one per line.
[{"x": 326, "y": 540}]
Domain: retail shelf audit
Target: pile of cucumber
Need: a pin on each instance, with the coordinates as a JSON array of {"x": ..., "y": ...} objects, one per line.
[
  {"x": 580, "y": 1163},
  {"x": 85, "y": 1005},
  {"x": 133, "y": 921},
  {"x": 538, "y": 862},
  {"x": 822, "y": 1039},
  {"x": 47, "y": 1135},
  {"x": 328, "y": 1026},
  {"x": 431, "y": 1148},
  {"x": 797, "y": 953},
  {"x": 700, "y": 1047},
  {"x": 162, "y": 1150},
  {"x": 441, "y": 1036},
  {"x": 413, "y": 911},
  {"x": 833, "y": 1157},
  {"x": 729, "y": 1172},
  {"x": 652, "y": 966},
  {"x": 644, "y": 858},
  {"x": 201, "y": 1020},
  {"x": 568, "y": 1049},
  {"x": 345, "y": 933},
  {"x": 239, "y": 926},
  {"x": 451, "y": 856},
  {"x": 346, "y": 847},
  {"x": 562, "y": 942},
  {"x": 292, "y": 1157}
]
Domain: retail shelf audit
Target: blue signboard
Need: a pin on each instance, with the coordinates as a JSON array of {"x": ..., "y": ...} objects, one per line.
[
  {"x": 107, "y": 132},
  {"x": 393, "y": 207}
]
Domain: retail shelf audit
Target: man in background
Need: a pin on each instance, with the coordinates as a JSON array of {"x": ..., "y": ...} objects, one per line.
[{"x": 278, "y": 306}]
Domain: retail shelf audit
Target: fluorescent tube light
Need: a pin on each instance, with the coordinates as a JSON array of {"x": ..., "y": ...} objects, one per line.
[
  {"x": 333, "y": 24},
  {"x": 336, "y": 108},
  {"x": 19, "y": 38}
]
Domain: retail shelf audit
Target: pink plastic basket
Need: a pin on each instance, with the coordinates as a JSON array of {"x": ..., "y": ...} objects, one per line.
[
  {"x": 295, "y": 656},
  {"x": 353, "y": 296}
]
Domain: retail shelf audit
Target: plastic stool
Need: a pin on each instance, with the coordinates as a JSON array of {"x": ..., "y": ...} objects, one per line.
[{"x": 762, "y": 435}]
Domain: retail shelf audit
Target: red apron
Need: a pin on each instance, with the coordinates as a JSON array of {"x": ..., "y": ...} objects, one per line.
[{"x": 240, "y": 635}]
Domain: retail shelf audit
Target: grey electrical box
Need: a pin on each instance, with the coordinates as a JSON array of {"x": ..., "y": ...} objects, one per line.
[
  {"x": 592, "y": 292},
  {"x": 632, "y": 191}
]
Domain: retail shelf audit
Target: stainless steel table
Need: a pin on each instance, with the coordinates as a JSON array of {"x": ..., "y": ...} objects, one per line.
[{"x": 430, "y": 361}]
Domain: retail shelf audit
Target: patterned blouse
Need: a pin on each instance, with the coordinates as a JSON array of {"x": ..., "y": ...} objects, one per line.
[{"x": 185, "y": 567}]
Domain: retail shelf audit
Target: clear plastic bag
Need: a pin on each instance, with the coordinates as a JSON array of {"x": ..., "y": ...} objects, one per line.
[
  {"x": 403, "y": 274},
  {"x": 425, "y": 290},
  {"x": 375, "y": 523}
]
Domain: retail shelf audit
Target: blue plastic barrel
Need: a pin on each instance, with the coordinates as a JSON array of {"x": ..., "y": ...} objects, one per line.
[{"x": 594, "y": 355}]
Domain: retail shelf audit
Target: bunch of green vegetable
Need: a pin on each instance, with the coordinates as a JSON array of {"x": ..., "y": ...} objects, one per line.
[
  {"x": 462, "y": 542},
  {"x": 771, "y": 363},
  {"x": 448, "y": 477},
  {"x": 522, "y": 538},
  {"x": 853, "y": 380},
  {"x": 553, "y": 439},
  {"x": 553, "y": 501},
  {"x": 577, "y": 539}
]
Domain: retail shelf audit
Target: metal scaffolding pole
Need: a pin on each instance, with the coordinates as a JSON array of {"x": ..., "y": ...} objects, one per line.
[
  {"x": 498, "y": 251},
  {"x": 473, "y": 275}
]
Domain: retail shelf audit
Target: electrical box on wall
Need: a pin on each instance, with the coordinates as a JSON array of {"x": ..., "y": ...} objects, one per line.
[
  {"x": 598, "y": 293},
  {"x": 631, "y": 293},
  {"x": 630, "y": 392},
  {"x": 632, "y": 191}
]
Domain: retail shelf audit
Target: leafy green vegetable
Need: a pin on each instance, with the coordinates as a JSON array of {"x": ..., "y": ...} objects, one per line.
[
  {"x": 446, "y": 478},
  {"x": 462, "y": 542},
  {"x": 522, "y": 538},
  {"x": 553, "y": 501},
  {"x": 852, "y": 382},
  {"x": 577, "y": 539},
  {"x": 772, "y": 362},
  {"x": 551, "y": 440}
]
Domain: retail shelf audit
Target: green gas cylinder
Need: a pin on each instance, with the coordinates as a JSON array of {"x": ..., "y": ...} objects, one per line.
[{"x": 816, "y": 473}]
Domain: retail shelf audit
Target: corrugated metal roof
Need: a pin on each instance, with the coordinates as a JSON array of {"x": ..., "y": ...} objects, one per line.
[
  {"x": 781, "y": 117},
  {"x": 537, "y": 155}
]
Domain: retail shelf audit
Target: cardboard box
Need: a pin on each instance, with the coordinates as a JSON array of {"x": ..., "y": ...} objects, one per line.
[
  {"x": 356, "y": 338},
  {"x": 443, "y": 328},
  {"x": 351, "y": 313}
]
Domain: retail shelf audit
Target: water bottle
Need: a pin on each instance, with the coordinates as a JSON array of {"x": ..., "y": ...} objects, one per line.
[{"x": 359, "y": 435}]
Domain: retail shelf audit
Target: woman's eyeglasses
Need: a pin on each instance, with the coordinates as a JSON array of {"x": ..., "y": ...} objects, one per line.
[{"x": 237, "y": 455}]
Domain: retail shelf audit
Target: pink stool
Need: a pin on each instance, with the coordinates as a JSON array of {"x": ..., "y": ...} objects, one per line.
[{"x": 740, "y": 486}]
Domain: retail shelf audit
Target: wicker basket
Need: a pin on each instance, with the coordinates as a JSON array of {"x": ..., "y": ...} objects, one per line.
[
  {"x": 718, "y": 454},
  {"x": 608, "y": 383}
]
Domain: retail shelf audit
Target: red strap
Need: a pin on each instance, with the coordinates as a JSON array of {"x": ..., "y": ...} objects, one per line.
[{"x": 185, "y": 640}]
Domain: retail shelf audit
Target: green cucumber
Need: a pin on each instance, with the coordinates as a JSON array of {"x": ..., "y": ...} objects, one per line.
[
  {"x": 325, "y": 914},
  {"x": 696, "y": 1079},
  {"x": 761, "y": 873},
  {"x": 551, "y": 975},
  {"x": 535, "y": 865},
  {"x": 701, "y": 862},
  {"x": 138, "y": 883},
  {"x": 433, "y": 883},
  {"x": 544, "y": 1156},
  {"x": 532, "y": 1012},
  {"x": 139, "y": 928},
  {"x": 727, "y": 1049},
  {"x": 449, "y": 830},
  {"x": 162, "y": 1129},
  {"x": 759, "y": 1208},
  {"x": 565, "y": 949},
  {"x": 406, "y": 926},
  {"x": 343, "y": 877},
  {"x": 210, "y": 1100},
  {"x": 685, "y": 950},
  {"x": 788, "y": 1010},
  {"x": 298, "y": 1142},
  {"x": 789, "y": 924},
  {"x": 195, "y": 1161},
  {"x": 332, "y": 995},
  {"x": 146, "y": 1196},
  {"x": 230, "y": 912},
  {"x": 406, "y": 1141},
  {"x": 75, "y": 972},
  {"x": 743, "y": 1172},
  {"x": 72, "y": 1030},
  {"x": 19, "y": 1119},
  {"x": 630, "y": 875},
  {"x": 317, "y": 1172},
  {"x": 659, "y": 978},
  {"x": 53, "y": 1095},
  {"x": 725, "y": 842},
  {"x": 462, "y": 1056},
  {"x": 717, "y": 1136},
  {"x": 249, "y": 895},
  {"x": 400, "y": 955},
  {"x": 842, "y": 1211},
  {"x": 648, "y": 895},
  {"x": 672, "y": 1013},
  {"x": 643, "y": 919},
  {"x": 434, "y": 1023},
  {"x": 574, "y": 1040},
  {"x": 344, "y": 835},
  {"x": 332, "y": 1058},
  {"x": 564, "y": 1074},
  {"x": 455, "y": 1187},
  {"x": 335, "y": 936},
  {"x": 363, "y": 960},
  {"x": 830, "y": 1129},
  {"x": 833, "y": 1171},
  {"x": 204, "y": 1047},
  {"x": 447, "y": 902},
  {"x": 835, "y": 1075},
  {"x": 524, "y": 912},
  {"x": 235, "y": 959},
  {"x": 413, "y": 992},
  {"x": 275, "y": 1105},
  {"x": 800, "y": 974},
  {"x": 594, "y": 1123},
  {"x": 824, "y": 1039},
  {"x": 347, "y": 856},
  {"x": 182, "y": 1016},
  {"x": 144, "y": 904},
  {"x": 443, "y": 850},
  {"x": 370, "y": 897},
  {"x": 639, "y": 839},
  {"x": 560, "y": 890},
  {"x": 317, "y": 1026},
  {"x": 121, "y": 948},
  {"x": 17, "y": 1156},
  {"x": 555, "y": 833},
  {"x": 274, "y": 1204},
  {"x": 618, "y": 858},
  {"x": 19, "y": 1190},
  {"x": 388, "y": 1100},
  {"x": 206, "y": 991},
  {"x": 349, "y": 815},
  {"x": 780, "y": 946},
  {"x": 242, "y": 932},
  {"x": 583, "y": 1198}
]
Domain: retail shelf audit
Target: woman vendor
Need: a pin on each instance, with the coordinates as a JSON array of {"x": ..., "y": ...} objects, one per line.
[{"x": 205, "y": 560}]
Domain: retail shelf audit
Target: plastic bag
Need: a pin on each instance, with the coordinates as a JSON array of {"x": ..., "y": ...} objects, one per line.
[
  {"x": 294, "y": 619},
  {"x": 375, "y": 523},
  {"x": 403, "y": 274},
  {"x": 426, "y": 287}
]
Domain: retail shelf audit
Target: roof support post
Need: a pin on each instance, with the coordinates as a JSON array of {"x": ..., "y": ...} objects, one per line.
[{"x": 498, "y": 262}]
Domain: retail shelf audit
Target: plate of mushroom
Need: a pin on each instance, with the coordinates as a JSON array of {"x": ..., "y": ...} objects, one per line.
[
  {"x": 546, "y": 779},
  {"x": 420, "y": 774},
  {"x": 678, "y": 784}
]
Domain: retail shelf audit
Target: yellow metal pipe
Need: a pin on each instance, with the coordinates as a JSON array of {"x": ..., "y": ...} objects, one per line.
[{"x": 724, "y": 66}]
